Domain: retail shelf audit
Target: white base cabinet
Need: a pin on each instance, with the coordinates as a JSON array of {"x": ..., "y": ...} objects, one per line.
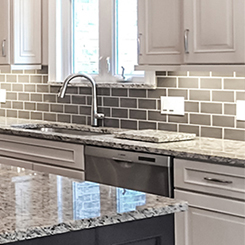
[{"x": 215, "y": 193}]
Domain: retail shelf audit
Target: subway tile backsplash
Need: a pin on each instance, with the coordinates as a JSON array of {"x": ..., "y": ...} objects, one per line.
[{"x": 210, "y": 102}]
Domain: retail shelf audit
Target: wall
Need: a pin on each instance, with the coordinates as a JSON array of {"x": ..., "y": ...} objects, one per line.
[{"x": 209, "y": 102}]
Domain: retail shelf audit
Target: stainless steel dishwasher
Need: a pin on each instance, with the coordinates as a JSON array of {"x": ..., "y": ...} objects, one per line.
[{"x": 133, "y": 170}]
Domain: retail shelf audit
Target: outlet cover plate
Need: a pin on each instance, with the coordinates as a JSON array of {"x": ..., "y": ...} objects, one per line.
[
  {"x": 172, "y": 105},
  {"x": 3, "y": 95},
  {"x": 240, "y": 110}
]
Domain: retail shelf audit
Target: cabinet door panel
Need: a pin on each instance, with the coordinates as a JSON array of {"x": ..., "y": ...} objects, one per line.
[
  {"x": 216, "y": 31},
  {"x": 27, "y": 31},
  {"x": 159, "y": 31},
  {"x": 5, "y": 32}
]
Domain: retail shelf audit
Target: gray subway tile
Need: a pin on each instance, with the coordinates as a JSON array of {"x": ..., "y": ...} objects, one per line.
[
  {"x": 240, "y": 95},
  {"x": 11, "y": 78},
  {"x": 147, "y": 125},
  {"x": 6, "y": 105},
  {"x": 147, "y": 103},
  {"x": 56, "y": 108},
  {"x": 42, "y": 107},
  {"x": 30, "y": 71},
  {"x": 234, "y": 134},
  {"x": 30, "y": 88},
  {"x": 2, "y": 113},
  {"x": 11, "y": 96},
  {"x": 17, "y": 105},
  {"x": 42, "y": 88},
  {"x": 139, "y": 93},
  {"x": 78, "y": 119},
  {"x": 129, "y": 124},
  {"x": 2, "y": 78},
  {"x": 17, "y": 71},
  {"x": 178, "y": 119},
  {"x": 6, "y": 86},
  {"x": 234, "y": 84},
  {"x": 44, "y": 70},
  {"x": 223, "y": 121},
  {"x": 161, "y": 73},
  {"x": 156, "y": 116},
  {"x": 166, "y": 82},
  {"x": 188, "y": 82},
  {"x": 156, "y": 93},
  {"x": 122, "y": 92},
  {"x": 177, "y": 73},
  {"x": 23, "y": 79},
  {"x": 223, "y": 96},
  {"x": 12, "y": 113},
  {"x": 240, "y": 124},
  {"x": 77, "y": 99},
  {"x": 36, "y": 97},
  {"x": 23, "y": 96},
  {"x": 85, "y": 90},
  {"x": 189, "y": 129},
  {"x": 64, "y": 118},
  {"x": 89, "y": 100},
  {"x": 36, "y": 115},
  {"x": 213, "y": 108},
  {"x": 85, "y": 110},
  {"x": 167, "y": 127},
  {"x": 65, "y": 100},
  {"x": 17, "y": 87},
  {"x": 103, "y": 91},
  {"x": 49, "y": 117},
  {"x": 71, "y": 109},
  {"x": 211, "y": 83},
  {"x": 36, "y": 79},
  {"x": 24, "y": 114},
  {"x": 178, "y": 92},
  {"x": 54, "y": 89},
  {"x": 129, "y": 103},
  {"x": 72, "y": 90},
  {"x": 49, "y": 98},
  {"x": 110, "y": 122},
  {"x": 191, "y": 106},
  {"x": 105, "y": 110},
  {"x": 119, "y": 113},
  {"x": 203, "y": 95},
  {"x": 211, "y": 132},
  {"x": 230, "y": 109},
  {"x": 108, "y": 101},
  {"x": 137, "y": 114},
  {"x": 200, "y": 119},
  {"x": 199, "y": 73},
  {"x": 222, "y": 74},
  {"x": 30, "y": 106}
]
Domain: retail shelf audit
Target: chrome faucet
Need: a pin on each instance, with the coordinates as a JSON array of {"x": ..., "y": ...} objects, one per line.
[{"x": 94, "y": 114}]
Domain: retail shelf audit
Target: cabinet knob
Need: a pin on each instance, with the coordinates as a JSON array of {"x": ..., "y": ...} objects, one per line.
[{"x": 186, "y": 41}]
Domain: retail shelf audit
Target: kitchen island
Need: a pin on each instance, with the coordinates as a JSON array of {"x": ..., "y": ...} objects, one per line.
[{"x": 42, "y": 208}]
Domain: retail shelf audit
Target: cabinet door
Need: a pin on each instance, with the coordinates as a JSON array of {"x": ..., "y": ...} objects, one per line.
[
  {"x": 215, "y": 31},
  {"x": 159, "y": 31},
  {"x": 210, "y": 220},
  {"x": 5, "y": 32},
  {"x": 27, "y": 31}
]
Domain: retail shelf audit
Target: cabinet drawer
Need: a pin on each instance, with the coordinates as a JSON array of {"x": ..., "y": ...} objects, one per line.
[
  {"x": 210, "y": 178},
  {"x": 44, "y": 151}
]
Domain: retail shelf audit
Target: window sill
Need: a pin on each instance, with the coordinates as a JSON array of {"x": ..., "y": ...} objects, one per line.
[{"x": 108, "y": 85}]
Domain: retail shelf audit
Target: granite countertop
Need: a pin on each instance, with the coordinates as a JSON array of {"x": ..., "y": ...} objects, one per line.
[
  {"x": 204, "y": 149},
  {"x": 36, "y": 204}
]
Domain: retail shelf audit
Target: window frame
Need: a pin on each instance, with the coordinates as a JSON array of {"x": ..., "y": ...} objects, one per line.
[{"x": 61, "y": 43}]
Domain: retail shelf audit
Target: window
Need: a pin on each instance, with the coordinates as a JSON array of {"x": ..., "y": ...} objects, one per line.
[{"x": 105, "y": 37}]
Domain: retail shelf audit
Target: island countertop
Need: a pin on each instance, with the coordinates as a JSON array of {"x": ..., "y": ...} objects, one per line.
[
  {"x": 228, "y": 152},
  {"x": 36, "y": 204}
]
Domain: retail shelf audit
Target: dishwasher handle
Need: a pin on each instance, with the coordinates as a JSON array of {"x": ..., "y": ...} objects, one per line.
[{"x": 124, "y": 163}]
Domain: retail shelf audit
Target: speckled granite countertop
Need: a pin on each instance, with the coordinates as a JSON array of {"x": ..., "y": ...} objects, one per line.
[
  {"x": 35, "y": 204},
  {"x": 206, "y": 149}
]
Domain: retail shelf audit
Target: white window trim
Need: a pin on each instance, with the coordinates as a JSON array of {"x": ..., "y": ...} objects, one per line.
[{"x": 60, "y": 42}]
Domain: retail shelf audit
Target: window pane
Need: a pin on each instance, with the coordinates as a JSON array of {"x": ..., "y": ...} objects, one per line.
[
  {"x": 126, "y": 36},
  {"x": 86, "y": 36}
]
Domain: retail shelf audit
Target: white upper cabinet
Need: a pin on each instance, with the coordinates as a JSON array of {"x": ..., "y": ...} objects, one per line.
[
  {"x": 180, "y": 32},
  {"x": 5, "y": 32},
  {"x": 159, "y": 31},
  {"x": 215, "y": 31},
  {"x": 27, "y": 31}
]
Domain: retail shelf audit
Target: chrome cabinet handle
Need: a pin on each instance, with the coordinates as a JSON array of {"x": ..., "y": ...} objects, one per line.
[
  {"x": 108, "y": 64},
  {"x": 218, "y": 180},
  {"x": 121, "y": 160},
  {"x": 124, "y": 163},
  {"x": 186, "y": 41},
  {"x": 139, "y": 42},
  {"x": 3, "y": 48}
]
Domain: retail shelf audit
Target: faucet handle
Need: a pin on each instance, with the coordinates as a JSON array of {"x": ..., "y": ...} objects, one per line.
[{"x": 99, "y": 116}]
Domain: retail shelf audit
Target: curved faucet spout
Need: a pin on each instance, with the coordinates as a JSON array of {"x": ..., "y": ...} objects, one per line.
[{"x": 94, "y": 115}]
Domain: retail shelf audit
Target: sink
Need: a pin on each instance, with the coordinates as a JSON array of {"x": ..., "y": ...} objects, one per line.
[{"x": 66, "y": 131}]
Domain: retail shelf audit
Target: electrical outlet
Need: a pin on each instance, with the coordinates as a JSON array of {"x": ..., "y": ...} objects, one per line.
[
  {"x": 3, "y": 95},
  {"x": 240, "y": 110},
  {"x": 172, "y": 105}
]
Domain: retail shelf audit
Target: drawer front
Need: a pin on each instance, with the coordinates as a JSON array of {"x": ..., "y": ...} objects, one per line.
[
  {"x": 210, "y": 178},
  {"x": 44, "y": 151}
]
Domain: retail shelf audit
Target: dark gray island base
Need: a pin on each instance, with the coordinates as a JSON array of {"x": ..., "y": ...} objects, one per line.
[
  {"x": 153, "y": 231},
  {"x": 39, "y": 208}
]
